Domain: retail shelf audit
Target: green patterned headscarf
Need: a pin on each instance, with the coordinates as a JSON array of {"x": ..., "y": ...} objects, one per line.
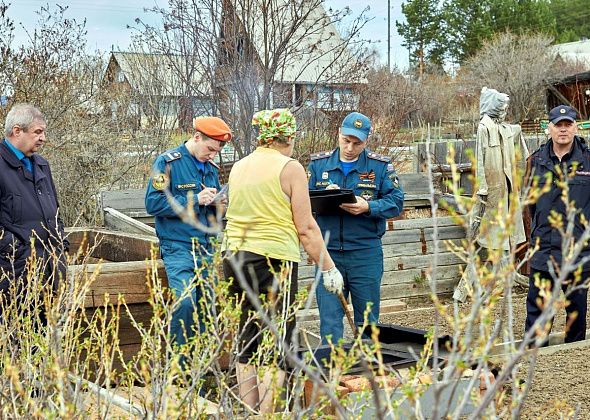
[{"x": 273, "y": 124}]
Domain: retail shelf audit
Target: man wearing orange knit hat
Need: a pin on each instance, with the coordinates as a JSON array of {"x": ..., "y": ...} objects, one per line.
[{"x": 185, "y": 181}]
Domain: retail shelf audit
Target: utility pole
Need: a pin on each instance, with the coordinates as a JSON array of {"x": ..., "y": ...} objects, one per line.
[{"x": 389, "y": 35}]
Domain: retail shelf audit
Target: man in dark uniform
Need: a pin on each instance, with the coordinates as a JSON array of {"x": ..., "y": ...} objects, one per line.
[
  {"x": 28, "y": 203},
  {"x": 355, "y": 236},
  {"x": 564, "y": 152},
  {"x": 186, "y": 169}
]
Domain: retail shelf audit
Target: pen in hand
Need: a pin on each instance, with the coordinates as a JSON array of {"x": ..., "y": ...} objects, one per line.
[
  {"x": 207, "y": 195},
  {"x": 332, "y": 186}
]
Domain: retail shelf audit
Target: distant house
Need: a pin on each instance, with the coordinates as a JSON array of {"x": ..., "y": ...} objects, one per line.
[
  {"x": 578, "y": 52},
  {"x": 572, "y": 90},
  {"x": 6, "y": 92},
  {"x": 158, "y": 95},
  {"x": 317, "y": 72}
]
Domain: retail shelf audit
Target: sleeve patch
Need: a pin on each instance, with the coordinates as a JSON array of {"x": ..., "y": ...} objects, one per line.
[
  {"x": 160, "y": 182},
  {"x": 394, "y": 179}
]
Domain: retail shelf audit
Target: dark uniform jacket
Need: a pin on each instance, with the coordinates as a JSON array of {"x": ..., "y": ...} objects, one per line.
[
  {"x": 375, "y": 180},
  {"x": 540, "y": 163},
  {"x": 177, "y": 170},
  {"x": 27, "y": 203}
]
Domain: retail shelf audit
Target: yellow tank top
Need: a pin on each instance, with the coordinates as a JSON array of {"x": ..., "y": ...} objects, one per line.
[{"x": 259, "y": 216}]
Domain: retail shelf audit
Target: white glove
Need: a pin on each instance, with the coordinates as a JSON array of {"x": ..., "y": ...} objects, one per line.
[{"x": 333, "y": 281}]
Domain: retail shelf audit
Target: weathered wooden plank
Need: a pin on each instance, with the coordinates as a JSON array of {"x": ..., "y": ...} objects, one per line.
[
  {"x": 419, "y": 261},
  {"x": 398, "y": 291},
  {"x": 422, "y": 223},
  {"x": 417, "y": 183},
  {"x": 445, "y": 232},
  {"x": 393, "y": 250},
  {"x": 129, "y": 337},
  {"x": 114, "y": 219},
  {"x": 386, "y": 307},
  {"x": 126, "y": 278},
  {"x": 412, "y": 249},
  {"x": 408, "y": 276},
  {"x": 401, "y": 236},
  {"x": 81, "y": 237},
  {"x": 419, "y": 275},
  {"x": 110, "y": 245},
  {"x": 397, "y": 263},
  {"x": 121, "y": 247}
]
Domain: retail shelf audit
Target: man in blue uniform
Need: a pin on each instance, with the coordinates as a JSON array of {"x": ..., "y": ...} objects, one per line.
[
  {"x": 184, "y": 171},
  {"x": 355, "y": 236},
  {"x": 564, "y": 150},
  {"x": 28, "y": 203}
]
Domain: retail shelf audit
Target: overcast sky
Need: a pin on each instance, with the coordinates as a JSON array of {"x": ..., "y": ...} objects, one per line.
[{"x": 107, "y": 21}]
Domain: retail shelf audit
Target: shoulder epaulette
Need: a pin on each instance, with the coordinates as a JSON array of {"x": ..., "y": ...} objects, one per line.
[
  {"x": 170, "y": 156},
  {"x": 321, "y": 155},
  {"x": 377, "y": 156},
  {"x": 214, "y": 164}
]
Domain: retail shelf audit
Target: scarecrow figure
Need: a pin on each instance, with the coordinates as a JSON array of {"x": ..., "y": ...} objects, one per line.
[{"x": 500, "y": 151}]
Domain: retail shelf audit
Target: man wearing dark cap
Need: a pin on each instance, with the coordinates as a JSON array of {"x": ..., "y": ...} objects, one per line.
[
  {"x": 564, "y": 154},
  {"x": 186, "y": 171},
  {"x": 355, "y": 234}
]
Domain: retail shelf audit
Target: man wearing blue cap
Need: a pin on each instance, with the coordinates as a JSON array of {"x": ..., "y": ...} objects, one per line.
[
  {"x": 565, "y": 153},
  {"x": 355, "y": 235}
]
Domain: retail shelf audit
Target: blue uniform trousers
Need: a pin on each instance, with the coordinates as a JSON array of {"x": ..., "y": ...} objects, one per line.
[
  {"x": 180, "y": 270},
  {"x": 362, "y": 271},
  {"x": 578, "y": 304}
]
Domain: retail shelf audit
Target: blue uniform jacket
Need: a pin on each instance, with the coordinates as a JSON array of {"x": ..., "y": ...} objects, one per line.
[
  {"x": 27, "y": 203},
  {"x": 375, "y": 180},
  {"x": 539, "y": 164},
  {"x": 183, "y": 176}
]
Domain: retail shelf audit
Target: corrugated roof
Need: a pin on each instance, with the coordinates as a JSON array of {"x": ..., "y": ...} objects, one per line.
[
  {"x": 158, "y": 74},
  {"x": 315, "y": 51},
  {"x": 574, "y": 51}
]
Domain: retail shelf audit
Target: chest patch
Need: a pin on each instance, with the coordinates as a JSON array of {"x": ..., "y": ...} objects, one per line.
[{"x": 366, "y": 185}]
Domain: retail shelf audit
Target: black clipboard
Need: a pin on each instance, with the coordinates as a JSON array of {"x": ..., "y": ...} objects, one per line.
[{"x": 327, "y": 202}]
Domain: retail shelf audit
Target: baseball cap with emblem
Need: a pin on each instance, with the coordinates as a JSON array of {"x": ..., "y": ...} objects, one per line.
[
  {"x": 357, "y": 125},
  {"x": 213, "y": 127},
  {"x": 562, "y": 112}
]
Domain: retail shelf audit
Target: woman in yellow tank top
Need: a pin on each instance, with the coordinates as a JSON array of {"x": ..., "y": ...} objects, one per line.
[{"x": 268, "y": 216}]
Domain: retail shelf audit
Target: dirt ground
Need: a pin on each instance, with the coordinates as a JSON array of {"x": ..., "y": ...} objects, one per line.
[
  {"x": 560, "y": 384},
  {"x": 561, "y": 380}
]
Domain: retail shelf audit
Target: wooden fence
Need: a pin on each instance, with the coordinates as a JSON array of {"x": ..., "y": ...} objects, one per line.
[
  {"x": 408, "y": 246},
  {"x": 408, "y": 258},
  {"x": 464, "y": 151}
]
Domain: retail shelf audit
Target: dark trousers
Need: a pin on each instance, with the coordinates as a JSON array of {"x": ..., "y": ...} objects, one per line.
[
  {"x": 362, "y": 272},
  {"x": 578, "y": 306},
  {"x": 259, "y": 272}
]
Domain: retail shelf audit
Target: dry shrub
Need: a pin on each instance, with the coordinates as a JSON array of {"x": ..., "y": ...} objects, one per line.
[{"x": 519, "y": 65}]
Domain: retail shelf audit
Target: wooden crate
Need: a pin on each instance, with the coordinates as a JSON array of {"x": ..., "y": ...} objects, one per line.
[{"x": 122, "y": 261}]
